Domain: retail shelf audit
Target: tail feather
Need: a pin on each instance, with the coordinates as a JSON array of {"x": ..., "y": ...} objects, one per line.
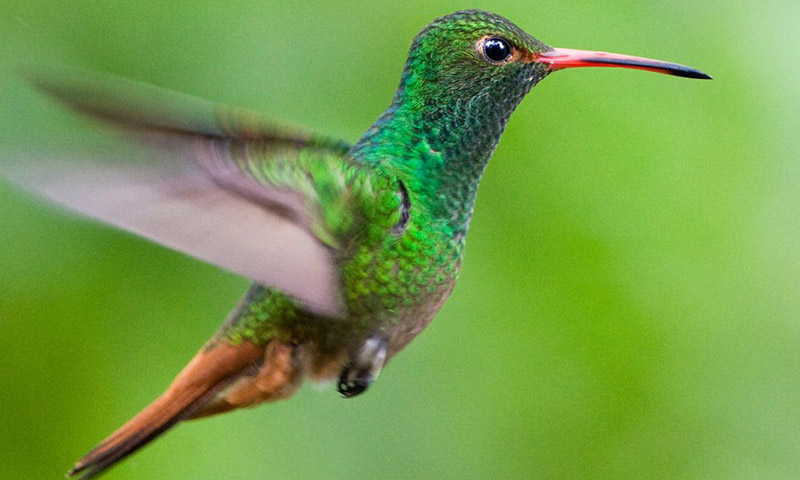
[
  {"x": 135, "y": 436},
  {"x": 210, "y": 372}
]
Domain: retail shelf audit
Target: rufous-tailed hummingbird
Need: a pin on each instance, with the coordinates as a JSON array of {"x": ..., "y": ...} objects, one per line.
[{"x": 352, "y": 249}]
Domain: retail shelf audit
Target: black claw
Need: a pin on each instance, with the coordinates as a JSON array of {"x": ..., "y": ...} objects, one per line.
[
  {"x": 363, "y": 367},
  {"x": 352, "y": 383}
]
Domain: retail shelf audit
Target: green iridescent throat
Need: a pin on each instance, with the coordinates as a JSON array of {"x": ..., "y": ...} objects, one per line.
[{"x": 442, "y": 126}]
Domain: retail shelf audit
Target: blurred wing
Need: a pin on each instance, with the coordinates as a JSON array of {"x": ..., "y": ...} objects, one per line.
[
  {"x": 184, "y": 185},
  {"x": 140, "y": 106}
]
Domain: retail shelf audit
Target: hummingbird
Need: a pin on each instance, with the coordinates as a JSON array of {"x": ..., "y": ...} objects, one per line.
[{"x": 351, "y": 248}]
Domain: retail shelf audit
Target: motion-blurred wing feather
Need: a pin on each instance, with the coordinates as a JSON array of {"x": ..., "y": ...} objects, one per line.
[
  {"x": 190, "y": 193},
  {"x": 140, "y": 106}
]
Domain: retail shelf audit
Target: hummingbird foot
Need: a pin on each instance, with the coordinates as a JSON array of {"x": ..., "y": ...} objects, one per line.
[{"x": 363, "y": 369}]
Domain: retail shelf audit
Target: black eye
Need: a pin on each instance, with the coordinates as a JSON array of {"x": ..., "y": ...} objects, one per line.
[{"x": 496, "y": 49}]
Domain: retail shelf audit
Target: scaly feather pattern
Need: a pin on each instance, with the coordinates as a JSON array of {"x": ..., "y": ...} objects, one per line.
[{"x": 352, "y": 250}]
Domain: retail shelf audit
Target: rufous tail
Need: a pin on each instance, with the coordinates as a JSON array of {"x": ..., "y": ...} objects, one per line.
[{"x": 221, "y": 377}]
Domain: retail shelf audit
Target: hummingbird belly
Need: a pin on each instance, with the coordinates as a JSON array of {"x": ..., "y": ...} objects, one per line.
[{"x": 393, "y": 288}]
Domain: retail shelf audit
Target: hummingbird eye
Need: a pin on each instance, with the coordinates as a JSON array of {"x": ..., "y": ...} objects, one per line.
[{"x": 496, "y": 50}]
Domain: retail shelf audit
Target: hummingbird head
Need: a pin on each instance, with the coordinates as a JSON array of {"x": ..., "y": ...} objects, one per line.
[
  {"x": 476, "y": 56},
  {"x": 471, "y": 56},
  {"x": 466, "y": 73}
]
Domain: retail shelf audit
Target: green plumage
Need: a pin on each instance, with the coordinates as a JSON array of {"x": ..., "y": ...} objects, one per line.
[
  {"x": 391, "y": 268},
  {"x": 435, "y": 139},
  {"x": 352, "y": 249}
]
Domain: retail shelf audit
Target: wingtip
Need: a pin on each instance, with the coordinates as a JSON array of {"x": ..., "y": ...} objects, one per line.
[
  {"x": 41, "y": 76},
  {"x": 60, "y": 83}
]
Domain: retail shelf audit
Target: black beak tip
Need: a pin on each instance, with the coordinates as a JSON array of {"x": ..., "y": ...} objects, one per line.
[
  {"x": 692, "y": 73},
  {"x": 684, "y": 71},
  {"x": 647, "y": 64}
]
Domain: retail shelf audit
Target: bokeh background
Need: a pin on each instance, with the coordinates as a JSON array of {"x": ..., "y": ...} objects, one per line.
[{"x": 630, "y": 304}]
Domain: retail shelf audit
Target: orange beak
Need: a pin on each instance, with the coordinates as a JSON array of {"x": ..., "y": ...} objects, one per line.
[{"x": 559, "y": 58}]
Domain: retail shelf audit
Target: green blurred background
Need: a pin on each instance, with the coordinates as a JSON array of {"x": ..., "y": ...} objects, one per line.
[{"x": 629, "y": 308}]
